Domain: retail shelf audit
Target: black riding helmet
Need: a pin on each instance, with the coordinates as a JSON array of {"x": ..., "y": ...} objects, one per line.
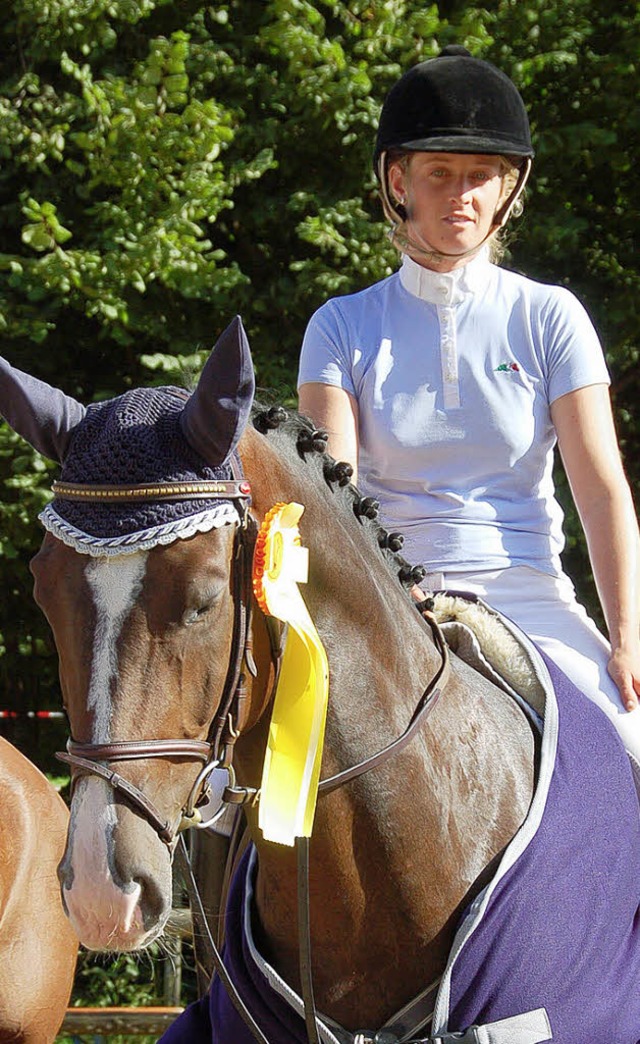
[{"x": 454, "y": 103}]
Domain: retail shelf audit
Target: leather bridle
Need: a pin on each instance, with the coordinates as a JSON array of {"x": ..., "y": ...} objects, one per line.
[{"x": 217, "y": 750}]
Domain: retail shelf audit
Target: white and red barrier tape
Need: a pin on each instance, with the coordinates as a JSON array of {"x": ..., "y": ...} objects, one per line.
[{"x": 31, "y": 714}]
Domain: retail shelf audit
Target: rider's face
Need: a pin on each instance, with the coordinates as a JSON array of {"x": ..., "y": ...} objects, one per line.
[{"x": 450, "y": 198}]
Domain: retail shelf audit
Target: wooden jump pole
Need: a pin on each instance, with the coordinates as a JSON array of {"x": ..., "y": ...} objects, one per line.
[{"x": 131, "y": 1021}]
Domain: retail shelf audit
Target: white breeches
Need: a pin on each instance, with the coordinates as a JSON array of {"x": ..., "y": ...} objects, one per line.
[{"x": 545, "y": 608}]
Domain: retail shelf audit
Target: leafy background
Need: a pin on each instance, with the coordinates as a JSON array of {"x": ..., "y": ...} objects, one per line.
[{"x": 166, "y": 165}]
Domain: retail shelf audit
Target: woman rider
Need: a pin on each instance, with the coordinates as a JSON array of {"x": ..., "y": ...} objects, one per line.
[{"x": 448, "y": 385}]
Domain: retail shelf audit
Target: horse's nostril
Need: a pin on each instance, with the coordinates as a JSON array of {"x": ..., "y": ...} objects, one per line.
[
  {"x": 153, "y": 902},
  {"x": 65, "y": 872}
]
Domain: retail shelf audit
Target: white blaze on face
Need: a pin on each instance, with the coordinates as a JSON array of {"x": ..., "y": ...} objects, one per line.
[
  {"x": 115, "y": 584},
  {"x": 103, "y": 914}
]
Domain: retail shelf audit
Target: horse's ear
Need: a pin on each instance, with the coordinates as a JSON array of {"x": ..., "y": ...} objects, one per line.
[
  {"x": 43, "y": 415},
  {"x": 217, "y": 413}
]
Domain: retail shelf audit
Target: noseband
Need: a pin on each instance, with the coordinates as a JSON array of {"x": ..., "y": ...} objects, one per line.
[{"x": 217, "y": 750}]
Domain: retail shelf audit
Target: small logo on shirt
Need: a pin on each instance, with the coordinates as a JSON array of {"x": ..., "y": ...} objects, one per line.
[{"x": 507, "y": 368}]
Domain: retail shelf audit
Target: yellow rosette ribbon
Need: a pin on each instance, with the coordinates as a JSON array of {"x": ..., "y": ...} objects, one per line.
[{"x": 294, "y": 750}]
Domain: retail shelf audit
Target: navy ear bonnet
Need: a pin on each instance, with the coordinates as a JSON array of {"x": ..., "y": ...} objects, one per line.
[
  {"x": 135, "y": 439},
  {"x": 147, "y": 437}
]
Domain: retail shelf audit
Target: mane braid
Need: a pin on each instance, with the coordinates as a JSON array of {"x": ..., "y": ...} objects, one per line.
[{"x": 294, "y": 425}]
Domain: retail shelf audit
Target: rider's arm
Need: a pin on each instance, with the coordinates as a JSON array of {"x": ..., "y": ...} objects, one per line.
[
  {"x": 587, "y": 440},
  {"x": 335, "y": 410}
]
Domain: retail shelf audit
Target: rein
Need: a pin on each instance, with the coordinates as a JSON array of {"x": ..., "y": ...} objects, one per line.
[{"x": 426, "y": 704}]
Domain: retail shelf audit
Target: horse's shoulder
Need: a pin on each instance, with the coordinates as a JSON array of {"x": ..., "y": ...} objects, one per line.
[{"x": 26, "y": 791}]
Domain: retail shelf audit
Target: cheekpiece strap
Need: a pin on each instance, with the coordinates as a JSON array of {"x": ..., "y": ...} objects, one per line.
[{"x": 226, "y": 489}]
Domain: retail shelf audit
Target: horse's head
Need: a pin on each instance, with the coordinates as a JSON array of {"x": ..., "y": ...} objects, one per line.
[{"x": 141, "y": 578}]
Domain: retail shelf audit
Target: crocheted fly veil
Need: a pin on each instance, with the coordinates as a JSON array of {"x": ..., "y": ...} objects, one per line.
[
  {"x": 134, "y": 441},
  {"x": 148, "y": 467}
]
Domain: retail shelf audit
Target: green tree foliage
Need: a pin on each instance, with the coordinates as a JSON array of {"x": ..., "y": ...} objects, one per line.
[
  {"x": 576, "y": 65},
  {"x": 165, "y": 165}
]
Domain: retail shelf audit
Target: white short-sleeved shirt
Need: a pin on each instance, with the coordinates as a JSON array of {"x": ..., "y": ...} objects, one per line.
[{"x": 454, "y": 374}]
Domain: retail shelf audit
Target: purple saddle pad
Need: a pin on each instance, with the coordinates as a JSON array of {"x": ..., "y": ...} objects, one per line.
[{"x": 557, "y": 927}]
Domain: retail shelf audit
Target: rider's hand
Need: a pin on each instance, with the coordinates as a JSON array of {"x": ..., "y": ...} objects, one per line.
[{"x": 624, "y": 668}]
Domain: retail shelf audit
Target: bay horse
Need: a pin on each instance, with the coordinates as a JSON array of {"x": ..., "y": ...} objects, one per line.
[
  {"x": 167, "y": 664},
  {"x": 38, "y": 945}
]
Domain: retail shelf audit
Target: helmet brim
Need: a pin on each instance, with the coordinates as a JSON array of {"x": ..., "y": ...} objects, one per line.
[{"x": 481, "y": 144}]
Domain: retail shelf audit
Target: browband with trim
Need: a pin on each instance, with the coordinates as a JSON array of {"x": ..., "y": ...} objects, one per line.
[{"x": 229, "y": 489}]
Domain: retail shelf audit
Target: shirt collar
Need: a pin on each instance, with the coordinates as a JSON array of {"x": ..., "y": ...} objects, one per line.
[{"x": 446, "y": 288}]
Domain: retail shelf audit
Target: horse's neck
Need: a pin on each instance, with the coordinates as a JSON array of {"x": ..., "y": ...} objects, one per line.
[
  {"x": 393, "y": 854},
  {"x": 380, "y": 653}
]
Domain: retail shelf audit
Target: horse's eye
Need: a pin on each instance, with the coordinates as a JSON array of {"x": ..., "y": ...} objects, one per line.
[{"x": 193, "y": 615}]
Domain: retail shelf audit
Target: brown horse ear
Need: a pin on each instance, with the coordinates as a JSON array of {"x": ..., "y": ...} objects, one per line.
[
  {"x": 43, "y": 415},
  {"x": 217, "y": 413}
]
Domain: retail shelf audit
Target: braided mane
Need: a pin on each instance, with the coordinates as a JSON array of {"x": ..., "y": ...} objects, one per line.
[{"x": 310, "y": 443}]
